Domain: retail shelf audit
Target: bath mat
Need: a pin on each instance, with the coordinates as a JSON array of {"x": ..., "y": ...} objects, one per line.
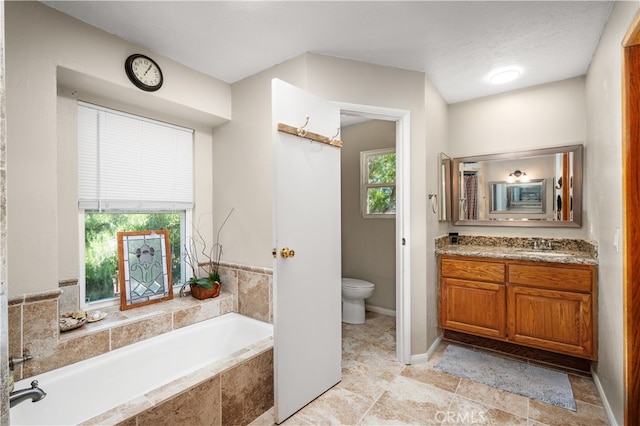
[{"x": 539, "y": 383}]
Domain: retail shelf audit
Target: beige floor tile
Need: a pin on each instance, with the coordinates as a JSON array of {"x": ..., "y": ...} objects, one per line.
[
  {"x": 586, "y": 414},
  {"x": 493, "y": 397},
  {"x": 266, "y": 419},
  {"x": 418, "y": 400},
  {"x": 426, "y": 374},
  {"x": 337, "y": 406},
  {"x": 295, "y": 421},
  {"x": 466, "y": 412},
  {"x": 417, "y": 394},
  {"x": 584, "y": 389},
  {"x": 381, "y": 415},
  {"x": 364, "y": 384},
  {"x": 351, "y": 346}
]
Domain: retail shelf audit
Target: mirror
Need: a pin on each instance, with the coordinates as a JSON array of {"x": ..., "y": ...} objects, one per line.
[
  {"x": 516, "y": 197},
  {"x": 444, "y": 188},
  {"x": 536, "y": 188}
]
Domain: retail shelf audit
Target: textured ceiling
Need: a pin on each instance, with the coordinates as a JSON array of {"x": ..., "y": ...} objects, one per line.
[{"x": 455, "y": 43}]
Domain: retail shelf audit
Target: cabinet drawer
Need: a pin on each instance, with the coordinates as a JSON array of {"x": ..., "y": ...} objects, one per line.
[
  {"x": 473, "y": 270},
  {"x": 556, "y": 278}
]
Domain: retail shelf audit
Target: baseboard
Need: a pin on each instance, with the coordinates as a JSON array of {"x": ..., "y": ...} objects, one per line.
[
  {"x": 434, "y": 347},
  {"x": 379, "y": 310},
  {"x": 603, "y": 397},
  {"x": 419, "y": 359},
  {"x": 422, "y": 358}
]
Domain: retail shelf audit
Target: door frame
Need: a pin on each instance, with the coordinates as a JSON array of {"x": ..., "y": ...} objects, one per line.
[
  {"x": 630, "y": 212},
  {"x": 403, "y": 215}
]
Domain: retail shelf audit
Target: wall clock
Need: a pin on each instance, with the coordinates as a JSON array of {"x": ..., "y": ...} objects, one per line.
[{"x": 144, "y": 72}]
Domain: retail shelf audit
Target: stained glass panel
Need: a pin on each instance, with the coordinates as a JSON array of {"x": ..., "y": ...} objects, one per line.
[{"x": 144, "y": 268}]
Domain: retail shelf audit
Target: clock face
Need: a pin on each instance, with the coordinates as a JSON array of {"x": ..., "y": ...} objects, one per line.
[{"x": 143, "y": 72}]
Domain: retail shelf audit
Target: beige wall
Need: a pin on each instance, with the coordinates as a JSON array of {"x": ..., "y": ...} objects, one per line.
[
  {"x": 46, "y": 49},
  {"x": 368, "y": 245},
  {"x": 242, "y": 166},
  {"x": 603, "y": 183},
  {"x": 539, "y": 117},
  {"x": 361, "y": 83},
  {"x": 242, "y": 158},
  {"x": 436, "y": 123}
]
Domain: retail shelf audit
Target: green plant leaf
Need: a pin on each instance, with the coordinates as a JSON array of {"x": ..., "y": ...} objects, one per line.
[{"x": 204, "y": 283}]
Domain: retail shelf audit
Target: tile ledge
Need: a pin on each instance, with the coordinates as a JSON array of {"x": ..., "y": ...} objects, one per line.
[
  {"x": 117, "y": 318},
  {"x": 35, "y": 297}
]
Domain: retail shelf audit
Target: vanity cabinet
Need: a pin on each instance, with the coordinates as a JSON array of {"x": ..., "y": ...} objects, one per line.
[
  {"x": 542, "y": 305},
  {"x": 551, "y": 307},
  {"x": 473, "y": 296}
]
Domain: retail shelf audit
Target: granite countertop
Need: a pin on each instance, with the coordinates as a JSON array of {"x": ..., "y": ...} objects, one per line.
[{"x": 564, "y": 250}]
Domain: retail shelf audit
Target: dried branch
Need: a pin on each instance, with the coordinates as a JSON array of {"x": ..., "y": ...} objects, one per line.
[{"x": 192, "y": 254}]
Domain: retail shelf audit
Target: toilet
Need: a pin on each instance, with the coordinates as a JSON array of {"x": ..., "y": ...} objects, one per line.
[{"x": 354, "y": 291}]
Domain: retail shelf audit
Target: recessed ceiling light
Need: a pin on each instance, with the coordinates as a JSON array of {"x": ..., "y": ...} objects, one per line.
[{"x": 504, "y": 75}]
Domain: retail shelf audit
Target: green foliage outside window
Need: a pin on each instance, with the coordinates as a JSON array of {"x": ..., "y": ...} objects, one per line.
[
  {"x": 101, "y": 247},
  {"x": 381, "y": 170},
  {"x": 382, "y": 200}
]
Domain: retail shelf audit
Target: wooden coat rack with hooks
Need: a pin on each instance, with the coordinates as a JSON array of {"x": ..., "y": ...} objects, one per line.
[{"x": 304, "y": 133}]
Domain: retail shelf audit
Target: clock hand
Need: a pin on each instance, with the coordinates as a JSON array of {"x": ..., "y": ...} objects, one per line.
[{"x": 145, "y": 73}]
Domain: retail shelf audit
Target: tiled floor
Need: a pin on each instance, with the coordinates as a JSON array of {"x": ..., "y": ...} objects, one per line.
[{"x": 377, "y": 390}]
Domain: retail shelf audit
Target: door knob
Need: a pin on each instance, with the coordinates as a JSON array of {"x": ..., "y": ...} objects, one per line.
[{"x": 286, "y": 252}]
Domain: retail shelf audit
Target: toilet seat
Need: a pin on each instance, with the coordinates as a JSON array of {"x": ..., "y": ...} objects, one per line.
[{"x": 356, "y": 283}]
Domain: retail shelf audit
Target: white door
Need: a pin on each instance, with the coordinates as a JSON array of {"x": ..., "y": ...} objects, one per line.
[{"x": 307, "y": 286}]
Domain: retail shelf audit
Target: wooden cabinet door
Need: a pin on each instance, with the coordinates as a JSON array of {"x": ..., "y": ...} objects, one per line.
[
  {"x": 558, "y": 321},
  {"x": 473, "y": 307}
]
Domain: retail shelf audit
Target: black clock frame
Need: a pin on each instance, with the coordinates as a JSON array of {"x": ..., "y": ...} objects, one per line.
[{"x": 140, "y": 85}]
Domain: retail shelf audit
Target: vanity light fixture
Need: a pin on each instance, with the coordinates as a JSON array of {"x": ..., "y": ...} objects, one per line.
[
  {"x": 518, "y": 176},
  {"x": 504, "y": 75}
]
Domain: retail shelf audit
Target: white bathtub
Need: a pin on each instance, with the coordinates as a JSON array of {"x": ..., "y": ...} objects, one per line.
[{"x": 81, "y": 391}]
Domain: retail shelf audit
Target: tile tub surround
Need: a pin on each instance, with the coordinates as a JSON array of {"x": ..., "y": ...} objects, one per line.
[
  {"x": 231, "y": 391},
  {"x": 565, "y": 250},
  {"x": 33, "y": 318},
  {"x": 33, "y": 327},
  {"x": 252, "y": 287}
]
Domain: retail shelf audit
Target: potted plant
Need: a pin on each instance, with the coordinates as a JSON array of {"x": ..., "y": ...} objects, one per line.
[{"x": 207, "y": 286}]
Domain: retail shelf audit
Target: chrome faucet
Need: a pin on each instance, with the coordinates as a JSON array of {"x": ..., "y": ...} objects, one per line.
[
  {"x": 35, "y": 393},
  {"x": 542, "y": 245}
]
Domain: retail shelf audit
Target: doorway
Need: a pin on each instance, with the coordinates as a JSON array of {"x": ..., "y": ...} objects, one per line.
[{"x": 402, "y": 249}]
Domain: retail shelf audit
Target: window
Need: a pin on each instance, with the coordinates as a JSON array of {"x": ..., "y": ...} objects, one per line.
[
  {"x": 378, "y": 186},
  {"x": 101, "y": 249},
  {"x": 134, "y": 174}
]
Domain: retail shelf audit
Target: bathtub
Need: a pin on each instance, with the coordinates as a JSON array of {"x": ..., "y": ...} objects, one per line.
[{"x": 82, "y": 391}]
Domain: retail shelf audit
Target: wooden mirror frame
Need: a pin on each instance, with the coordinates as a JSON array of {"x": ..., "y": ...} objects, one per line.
[{"x": 577, "y": 151}]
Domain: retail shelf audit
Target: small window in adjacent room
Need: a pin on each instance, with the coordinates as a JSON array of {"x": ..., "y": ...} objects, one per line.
[
  {"x": 134, "y": 174},
  {"x": 378, "y": 183}
]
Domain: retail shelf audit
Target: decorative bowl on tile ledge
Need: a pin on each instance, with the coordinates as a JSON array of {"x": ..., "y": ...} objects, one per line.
[{"x": 204, "y": 288}]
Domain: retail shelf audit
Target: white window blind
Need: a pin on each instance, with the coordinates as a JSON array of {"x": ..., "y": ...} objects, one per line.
[{"x": 126, "y": 162}]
